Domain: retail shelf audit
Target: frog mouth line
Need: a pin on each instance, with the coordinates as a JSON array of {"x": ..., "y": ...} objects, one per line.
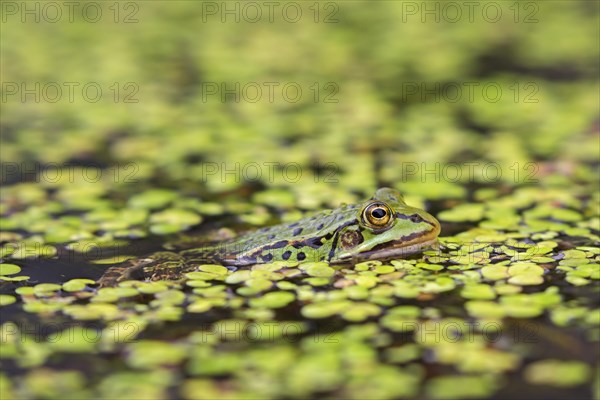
[
  {"x": 393, "y": 249},
  {"x": 403, "y": 250}
]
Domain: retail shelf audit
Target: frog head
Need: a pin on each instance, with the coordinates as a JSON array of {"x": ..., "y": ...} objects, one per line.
[{"x": 387, "y": 227}]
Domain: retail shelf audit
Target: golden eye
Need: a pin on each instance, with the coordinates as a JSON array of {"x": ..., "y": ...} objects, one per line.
[{"x": 377, "y": 215}]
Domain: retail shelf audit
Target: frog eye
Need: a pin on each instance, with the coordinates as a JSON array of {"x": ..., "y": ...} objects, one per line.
[{"x": 377, "y": 215}]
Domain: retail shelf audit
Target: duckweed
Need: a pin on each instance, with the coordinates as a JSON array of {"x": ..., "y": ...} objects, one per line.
[
  {"x": 9, "y": 269},
  {"x": 319, "y": 270},
  {"x": 273, "y": 300},
  {"x": 6, "y": 299},
  {"x": 460, "y": 387},
  {"x": 557, "y": 373}
]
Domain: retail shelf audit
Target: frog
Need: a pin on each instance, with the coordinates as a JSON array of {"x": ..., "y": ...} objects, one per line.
[{"x": 383, "y": 226}]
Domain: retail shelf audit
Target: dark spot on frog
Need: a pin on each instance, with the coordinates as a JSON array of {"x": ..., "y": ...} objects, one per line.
[
  {"x": 314, "y": 243},
  {"x": 293, "y": 225},
  {"x": 271, "y": 236},
  {"x": 320, "y": 226},
  {"x": 301, "y": 256},
  {"x": 297, "y": 231},
  {"x": 286, "y": 255},
  {"x": 267, "y": 257},
  {"x": 279, "y": 245},
  {"x": 328, "y": 236}
]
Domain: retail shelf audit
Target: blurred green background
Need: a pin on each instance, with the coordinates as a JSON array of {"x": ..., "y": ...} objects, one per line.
[{"x": 392, "y": 69}]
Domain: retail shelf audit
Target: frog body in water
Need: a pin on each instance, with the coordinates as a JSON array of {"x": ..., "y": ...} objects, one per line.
[{"x": 381, "y": 227}]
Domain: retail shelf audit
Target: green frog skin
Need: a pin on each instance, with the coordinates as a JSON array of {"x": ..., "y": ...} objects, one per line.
[{"x": 382, "y": 227}]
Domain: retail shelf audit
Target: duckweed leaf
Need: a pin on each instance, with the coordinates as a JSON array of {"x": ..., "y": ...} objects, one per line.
[
  {"x": 484, "y": 309},
  {"x": 360, "y": 312},
  {"x": 6, "y": 299},
  {"x": 403, "y": 354},
  {"x": 148, "y": 354},
  {"x": 9, "y": 269},
  {"x": 319, "y": 270},
  {"x": 324, "y": 310},
  {"x": 152, "y": 199},
  {"x": 557, "y": 373},
  {"x": 478, "y": 292},
  {"x": 76, "y": 285},
  {"x": 460, "y": 387},
  {"x": 273, "y": 300}
]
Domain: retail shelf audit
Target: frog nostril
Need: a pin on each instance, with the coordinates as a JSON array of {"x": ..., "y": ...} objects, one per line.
[{"x": 415, "y": 218}]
